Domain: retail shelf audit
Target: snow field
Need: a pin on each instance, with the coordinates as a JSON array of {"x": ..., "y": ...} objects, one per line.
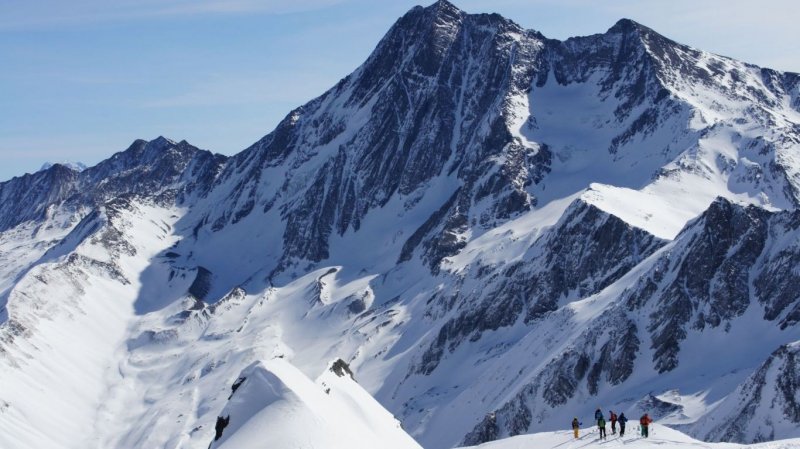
[{"x": 660, "y": 437}]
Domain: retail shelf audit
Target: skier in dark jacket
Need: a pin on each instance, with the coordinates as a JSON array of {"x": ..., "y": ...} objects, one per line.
[
  {"x": 601, "y": 425},
  {"x": 576, "y": 425},
  {"x": 613, "y": 418},
  {"x": 622, "y": 420}
]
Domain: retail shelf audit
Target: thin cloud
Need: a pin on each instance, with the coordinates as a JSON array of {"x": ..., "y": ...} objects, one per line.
[
  {"x": 237, "y": 89},
  {"x": 23, "y": 15}
]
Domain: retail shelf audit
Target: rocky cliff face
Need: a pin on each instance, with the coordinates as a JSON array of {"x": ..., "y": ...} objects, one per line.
[
  {"x": 764, "y": 407},
  {"x": 583, "y": 253},
  {"x": 434, "y": 100}
]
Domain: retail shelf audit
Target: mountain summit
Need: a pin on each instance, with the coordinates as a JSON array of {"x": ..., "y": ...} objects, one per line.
[{"x": 491, "y": 228}]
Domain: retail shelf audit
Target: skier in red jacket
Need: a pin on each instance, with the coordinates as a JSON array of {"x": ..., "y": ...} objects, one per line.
[
  {"x": 645, "y": 421},
  {"x": 613, "y": 419}
]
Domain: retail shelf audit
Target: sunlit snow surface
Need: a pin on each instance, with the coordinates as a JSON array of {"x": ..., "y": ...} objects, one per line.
[
  {"x": 660, "y": 437},
  {"x": 278, "y": 406}
]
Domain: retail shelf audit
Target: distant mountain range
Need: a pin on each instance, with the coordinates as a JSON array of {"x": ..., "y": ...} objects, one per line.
[{"x": 76, "y": 166}]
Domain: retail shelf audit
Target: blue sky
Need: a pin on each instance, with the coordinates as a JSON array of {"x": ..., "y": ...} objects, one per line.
[{"x": 82, "y": 79}]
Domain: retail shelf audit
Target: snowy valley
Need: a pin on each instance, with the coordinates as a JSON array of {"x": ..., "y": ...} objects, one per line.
[{"x": 477, "y": 235}]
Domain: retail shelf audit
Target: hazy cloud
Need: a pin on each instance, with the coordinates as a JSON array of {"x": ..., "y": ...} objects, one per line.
[
  {"x": 237, "y": 89},
  {"x": 22, "y": 15}
]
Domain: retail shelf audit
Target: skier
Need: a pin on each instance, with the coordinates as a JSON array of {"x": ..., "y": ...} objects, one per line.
[
  {"x": 601, "y": 424},
  {"x": 613, "y": 418},
  {"x": 576, "y": 425},
  {"x": 622, "y": 420},
  {"x": 645, "y": 421}
]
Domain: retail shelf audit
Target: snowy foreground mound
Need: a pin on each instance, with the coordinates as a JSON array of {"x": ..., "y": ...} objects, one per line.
[
  {"x": 274, "y": 405},
  {"x": 660, "y": 437}
]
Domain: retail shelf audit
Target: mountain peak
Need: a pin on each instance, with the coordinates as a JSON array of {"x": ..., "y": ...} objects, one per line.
[
  {"x": 625, "y": 25},
  {"x": 152, "y": 148},
  {"x": 444, "y": 6},
  {"x": 74, "y": 166},
  {"x": 643, "y": 33},
  {"x": 162, "y": 142},
  {"x": 443, "y": 14}
]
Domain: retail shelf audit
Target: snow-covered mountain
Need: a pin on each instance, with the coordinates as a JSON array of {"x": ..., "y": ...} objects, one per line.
[
  {"x": 492, "y": 228},
  {"x": 75, "y": 166}
]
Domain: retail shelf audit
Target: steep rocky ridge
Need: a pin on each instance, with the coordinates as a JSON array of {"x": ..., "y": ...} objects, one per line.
[{"x": 157, "y": 168}]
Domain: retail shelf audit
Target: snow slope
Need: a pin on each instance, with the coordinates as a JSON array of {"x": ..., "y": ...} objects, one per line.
[
  {"x": 68, "y": 322},
  {"x": 660, "y": 437},
  {"x": 275, "y": 405}
]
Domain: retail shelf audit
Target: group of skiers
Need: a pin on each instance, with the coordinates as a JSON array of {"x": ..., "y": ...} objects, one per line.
[{"x": 644, "y": 423}]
